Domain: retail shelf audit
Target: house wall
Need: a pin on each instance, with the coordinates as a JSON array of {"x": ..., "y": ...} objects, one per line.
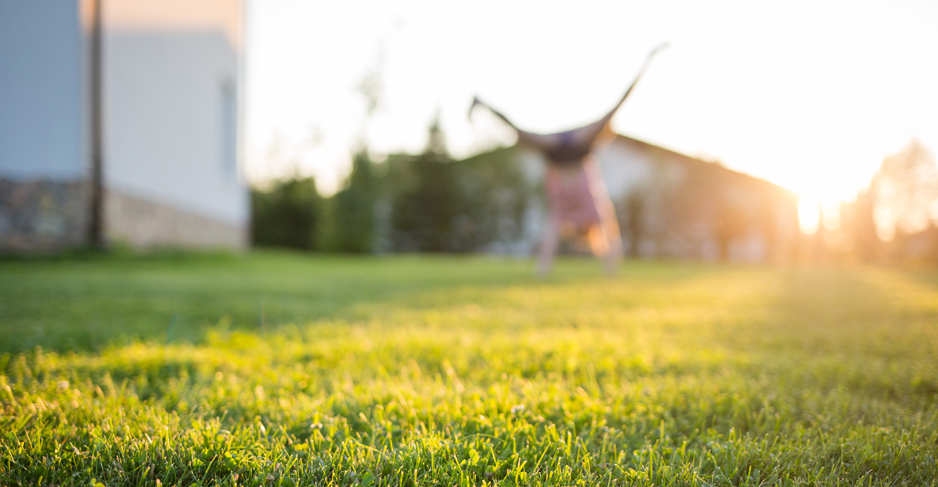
[
  {"x": 43, "y": 160},
  {"x": 41, "y": 91},
  {"x": 682, "y": 207},
  {"x": 172, "y": 89},
  {"x": 624, "y": 168},
  {"x": 701, "y": 210},
  {"x": 42, "y": 215},
  {"x": 142, "y": 223}
]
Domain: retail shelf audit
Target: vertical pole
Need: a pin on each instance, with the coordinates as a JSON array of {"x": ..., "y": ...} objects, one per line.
[{"x": 95, "y": 224}]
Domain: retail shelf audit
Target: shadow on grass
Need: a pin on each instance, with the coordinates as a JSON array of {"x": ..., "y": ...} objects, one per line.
[{"x": 90, "y": 301}]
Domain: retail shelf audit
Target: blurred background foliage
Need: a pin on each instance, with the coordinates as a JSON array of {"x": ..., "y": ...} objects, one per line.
[
  {"x": 429, "y": 202},
  {"x": 424, "y": 202},
  {"x": 287, "y": 215},
  {"x": 892, "y": 221},
  {"x": 349, "y": 217}
]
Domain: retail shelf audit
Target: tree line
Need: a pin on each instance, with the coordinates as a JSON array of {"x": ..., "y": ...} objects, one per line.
[
  {"x": 425, "y": 202},
  {"x": 892, "y": 221},
  {"x": 429, "y": 202}
]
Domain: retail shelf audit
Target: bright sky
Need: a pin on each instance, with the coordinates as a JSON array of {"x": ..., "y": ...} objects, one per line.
[{"x": 809, "y": 95}]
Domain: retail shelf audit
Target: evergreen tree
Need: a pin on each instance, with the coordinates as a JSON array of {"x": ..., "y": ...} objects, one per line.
[
  {"x": 353, "y": 208},
  {"x": 422, "y": 213},
  {"x": 287, "y": 215},
  {"x": 492, "y": 199}
]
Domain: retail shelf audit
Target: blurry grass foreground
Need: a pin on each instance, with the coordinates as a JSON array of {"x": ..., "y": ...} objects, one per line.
[{"x": 464, "y": 371}]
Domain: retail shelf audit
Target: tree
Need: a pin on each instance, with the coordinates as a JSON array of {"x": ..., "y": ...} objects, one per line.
[
  {"x": 423, "y": 211},
  {"x": 492, "y": 199},
  {"x": 353, "y": 208},
  {"x": 287, "y": 215},
  {"x": 905, "y": 191},
  {"x": 859, "y": 227},
  {"x": 351, "y": 211},
  {"x": 632, "y": 213}
]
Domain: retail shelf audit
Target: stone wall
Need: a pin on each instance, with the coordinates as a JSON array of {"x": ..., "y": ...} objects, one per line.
[
  {"x": 143, "y": 224},
  {"x": 42, "y": 216}
]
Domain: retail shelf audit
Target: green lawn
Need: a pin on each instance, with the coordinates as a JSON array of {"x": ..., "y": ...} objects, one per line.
[{"x": 278, "y": 369}]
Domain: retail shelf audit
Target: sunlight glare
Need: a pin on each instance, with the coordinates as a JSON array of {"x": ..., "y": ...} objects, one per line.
[{"x": 809, "y": 214}]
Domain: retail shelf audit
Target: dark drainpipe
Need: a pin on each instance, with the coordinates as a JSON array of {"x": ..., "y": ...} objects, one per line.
[{"x": 95, "y": 223}]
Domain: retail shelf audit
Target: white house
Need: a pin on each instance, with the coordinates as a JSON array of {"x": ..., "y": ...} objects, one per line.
[
  {"x": 668, "y": 205},
  {"x": 675, "y": 206},
  {"x": 119, "y": 124}
]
